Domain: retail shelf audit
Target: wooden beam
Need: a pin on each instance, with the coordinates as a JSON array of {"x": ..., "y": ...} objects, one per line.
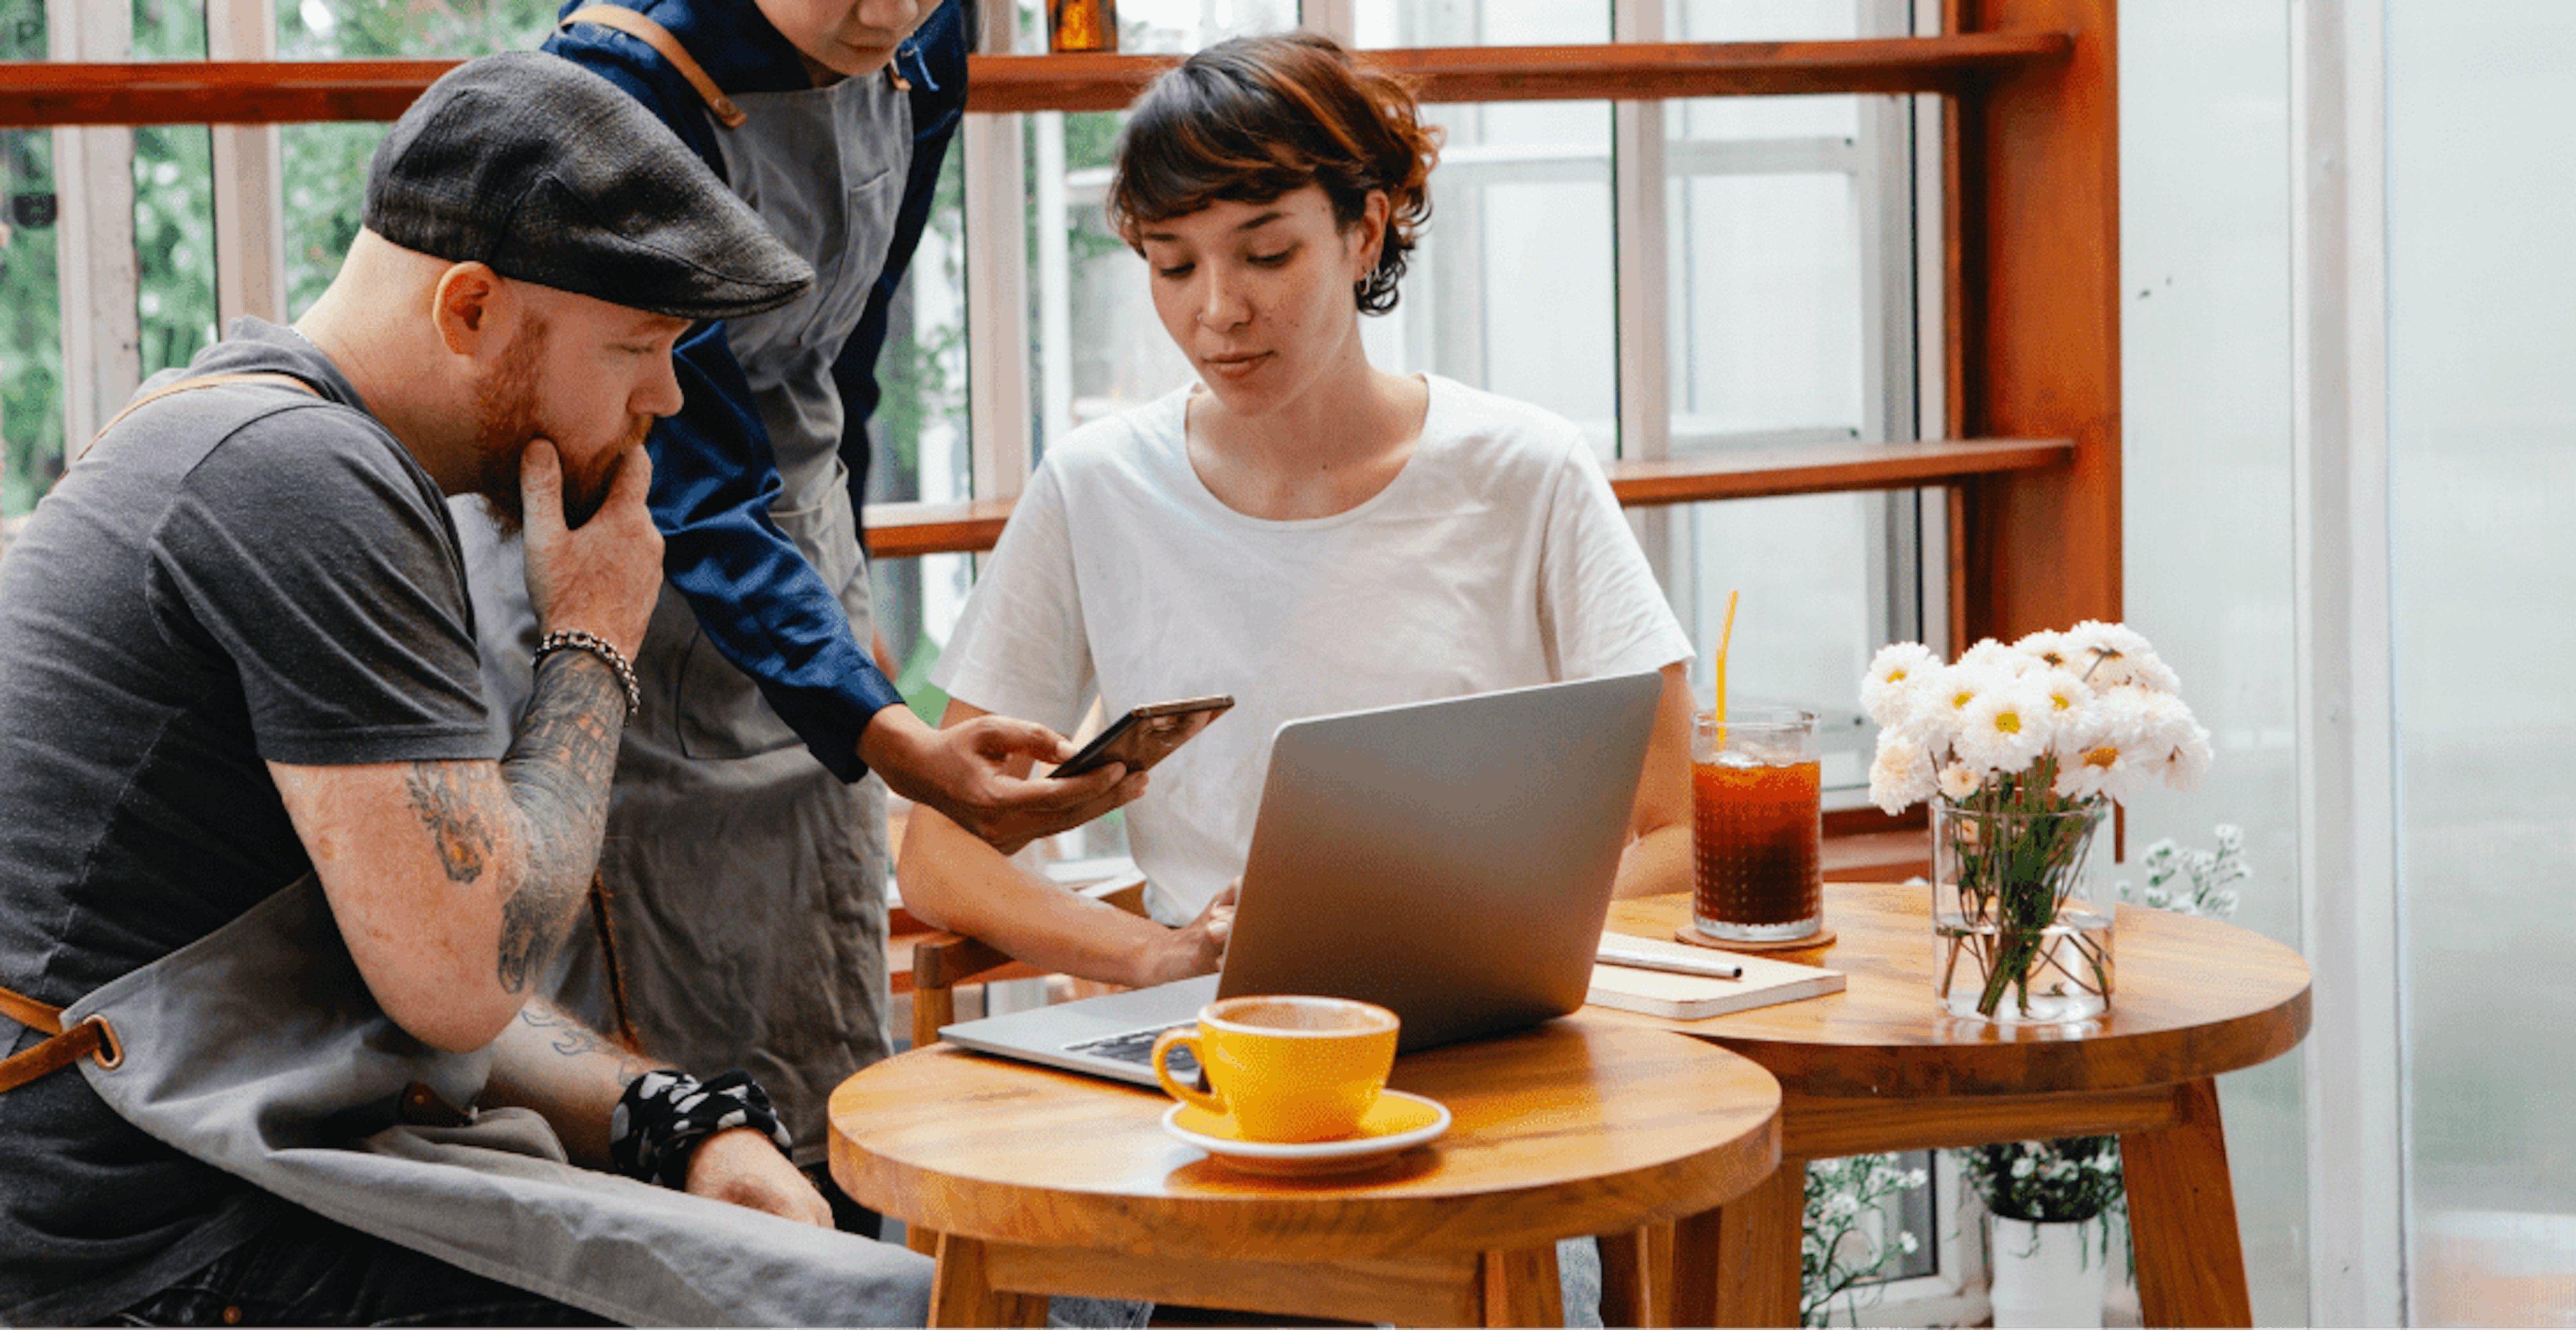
[
  {"x": 906, "y": 530},
  {"x": 294, "y": 91},
  {"x": 1626, "y": 71},
  {"x": 2037, "y": 179},
  {"x": 213, "y": 92}
]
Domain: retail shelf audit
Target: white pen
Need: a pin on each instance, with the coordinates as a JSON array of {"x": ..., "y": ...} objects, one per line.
[{"x": 1710, "y": 968}]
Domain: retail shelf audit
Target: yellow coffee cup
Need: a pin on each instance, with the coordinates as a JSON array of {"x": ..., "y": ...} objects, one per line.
[{"x": 1286, "y": 1069}]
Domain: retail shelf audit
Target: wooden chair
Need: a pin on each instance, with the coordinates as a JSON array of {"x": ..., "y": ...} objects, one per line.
[{"x": 941, "y": 961}]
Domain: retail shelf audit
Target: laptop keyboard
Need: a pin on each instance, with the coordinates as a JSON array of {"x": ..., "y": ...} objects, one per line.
[{"x": 1137, "y": 1046}]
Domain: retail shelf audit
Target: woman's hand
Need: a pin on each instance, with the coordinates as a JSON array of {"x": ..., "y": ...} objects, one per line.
[{"x": 1197, "y": 947}]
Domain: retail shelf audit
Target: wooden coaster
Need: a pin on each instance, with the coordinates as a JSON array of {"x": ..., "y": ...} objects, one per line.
[{"x": 1818, "y": 940}]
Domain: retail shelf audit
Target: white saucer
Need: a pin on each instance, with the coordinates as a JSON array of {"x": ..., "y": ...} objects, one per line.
[{"x": 1397, "y": 1123}]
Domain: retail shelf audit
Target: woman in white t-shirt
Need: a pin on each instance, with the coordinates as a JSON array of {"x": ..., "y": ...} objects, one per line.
[{"x": 1300, "y": 529}]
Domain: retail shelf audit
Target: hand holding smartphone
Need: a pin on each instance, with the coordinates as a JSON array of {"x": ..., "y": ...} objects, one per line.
[{"x": 1146, "y": 735}]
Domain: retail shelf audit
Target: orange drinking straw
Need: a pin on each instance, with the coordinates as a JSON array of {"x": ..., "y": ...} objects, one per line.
[{"x": 1724, "y": 636}]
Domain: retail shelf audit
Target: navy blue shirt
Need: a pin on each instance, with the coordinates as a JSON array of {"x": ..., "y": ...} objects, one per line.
[{"x": 761, "y": 604}]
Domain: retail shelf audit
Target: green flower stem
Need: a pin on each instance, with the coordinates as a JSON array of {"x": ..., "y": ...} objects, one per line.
[{"x": 2018, "y": 848}]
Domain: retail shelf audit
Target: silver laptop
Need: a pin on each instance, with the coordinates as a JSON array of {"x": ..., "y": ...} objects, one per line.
[{"x": 1450, "y": 860}]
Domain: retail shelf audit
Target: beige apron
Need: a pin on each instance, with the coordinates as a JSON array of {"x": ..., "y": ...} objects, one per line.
[
  {"x": 258, "y": 1049},
  {"x": 745, "y": 884}
]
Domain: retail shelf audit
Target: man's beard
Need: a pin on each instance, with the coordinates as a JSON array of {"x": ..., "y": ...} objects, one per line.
[{"x": 505, "y": 421}]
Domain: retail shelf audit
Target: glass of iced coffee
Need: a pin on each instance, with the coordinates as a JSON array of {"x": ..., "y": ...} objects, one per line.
[{"x": 1756, "y": 791}]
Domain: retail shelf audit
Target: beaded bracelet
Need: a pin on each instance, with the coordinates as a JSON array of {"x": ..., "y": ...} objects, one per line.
[
  {"x": 575, "y": 639},
  {"x": 664, "y": 1114}
]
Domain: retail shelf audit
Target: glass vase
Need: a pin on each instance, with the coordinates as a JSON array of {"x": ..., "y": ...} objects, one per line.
[{"x": 2016, "y": 941}]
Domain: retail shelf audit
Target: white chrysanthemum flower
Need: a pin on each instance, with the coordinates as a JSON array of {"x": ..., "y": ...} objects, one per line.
[
  {"x": 1958, "y": 780},
  {"x": 2111, "y": 654},
  {"x": 1902, "y": 774},
  {"x": 2169, "y": 738},
  {"x": 1948, "y": 697},
  {"x": 2067, "y": 695},
  {"x": 2189, "y": 761},
  {"x": 1893, "y": 687},
  {"x": 2101, "y": 764},
  {"x": 1990, "y": 654},
  {"x": 2049, "y": 647},
  {"x": 2005, "y": 729}
]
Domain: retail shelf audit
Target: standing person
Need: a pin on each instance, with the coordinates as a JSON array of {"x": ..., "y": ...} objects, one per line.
[
  {"x": 1299, "y": 529},
  {"x": 745, "y": 869},
  {"x": 271, "y": 895}
]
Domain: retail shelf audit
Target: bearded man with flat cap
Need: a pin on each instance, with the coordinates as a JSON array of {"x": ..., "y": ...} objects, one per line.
[{"x": 273, "y": 902}]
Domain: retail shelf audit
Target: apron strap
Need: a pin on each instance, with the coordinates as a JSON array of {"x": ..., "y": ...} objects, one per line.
[
  {"x": 185, "y": 385},
  {"x": 90, "y": 1038},
  {"x": 660, "y": 39}
]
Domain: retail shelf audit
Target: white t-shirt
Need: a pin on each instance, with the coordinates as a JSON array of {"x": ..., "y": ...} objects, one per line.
[{"x": 1497, "y": 558}]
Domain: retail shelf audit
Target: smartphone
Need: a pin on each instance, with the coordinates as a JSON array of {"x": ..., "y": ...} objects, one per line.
[{"x": 1146, "y": 735}]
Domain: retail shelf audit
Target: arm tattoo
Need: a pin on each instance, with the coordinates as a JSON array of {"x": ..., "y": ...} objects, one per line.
[
  {"x": 558, "y": 769},
  {"x": 447, "y": 806},
  {"x": 572, "y": 1039}
]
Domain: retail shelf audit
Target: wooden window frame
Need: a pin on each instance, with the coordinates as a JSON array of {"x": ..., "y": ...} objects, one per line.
[{"x": 2030, "y": 459}]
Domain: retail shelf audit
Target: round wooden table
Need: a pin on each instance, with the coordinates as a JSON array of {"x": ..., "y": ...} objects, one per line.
[
  {"x": 1880, "y": 1067},
  {"x": 1041, "y": 1182}
]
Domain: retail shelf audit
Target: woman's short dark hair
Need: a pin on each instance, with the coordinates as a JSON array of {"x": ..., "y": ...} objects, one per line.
[{"x": 1254, "y": 118}]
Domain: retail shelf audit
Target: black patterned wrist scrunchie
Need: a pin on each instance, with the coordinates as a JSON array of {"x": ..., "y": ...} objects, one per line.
[{"x": 664, "y": 1114}]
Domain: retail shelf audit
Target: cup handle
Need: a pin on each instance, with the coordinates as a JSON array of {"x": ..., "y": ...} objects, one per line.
[{"x": 1188, "y": 1038}]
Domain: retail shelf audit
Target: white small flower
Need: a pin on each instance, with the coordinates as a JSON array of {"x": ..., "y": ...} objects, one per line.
[
  {"x": 2047, "y": 646},
  {"x": 1949, "y": 695},
  {"x": 1989, "y": 654},
  {"x": 1902, "y": 774},
  {"x": 2023, "y": 1166},
  {"x": 2099, "y": 763},
  {"x": 1957, "y": 782},
  {"x": 1889, "y": 692},
  {"x": 2005, "y": 729},
  {"x": 2109, "y": 654},
  {"x": 2067, "y": 695},
  {"x": 2189, "y": 761}
]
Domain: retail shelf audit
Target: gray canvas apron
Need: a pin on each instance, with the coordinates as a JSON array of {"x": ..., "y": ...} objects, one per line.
[
  {"x": 746, "y": 884},
  {"x": 258, "y": 1049}
]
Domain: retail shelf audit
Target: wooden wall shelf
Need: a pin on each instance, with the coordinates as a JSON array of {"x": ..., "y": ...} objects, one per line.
[
  {"x": 292, "y": 91},
  {"x": 906, "y": 530}
]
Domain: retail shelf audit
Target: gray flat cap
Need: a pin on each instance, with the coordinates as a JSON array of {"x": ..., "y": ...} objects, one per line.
[{"x": 553, "y": 175}]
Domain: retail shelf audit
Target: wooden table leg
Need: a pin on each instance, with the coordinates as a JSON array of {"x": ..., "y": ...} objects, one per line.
[
  {"x": 1738, "y": 1264},
  {"x": 2182, "y": 1217},
  {"x": 1521, "y": 1287},
  {"x": 962, "y": 1292},
  {"x": 1637, "y": 1277}
]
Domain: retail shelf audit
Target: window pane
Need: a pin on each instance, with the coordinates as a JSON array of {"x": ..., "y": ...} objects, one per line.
[
  {"x": 1808, "y": 617},
  {"x": 1766, "y": 309},
  {"x": 1514, "y": 286},
  {"x": 31, "y": 344},
  {"x": 2481, "y": 414},
  {"x": 1481, "y": 23},
  {"x": 326, "y": 164},
  {"x": 1156, "y": 27},
  {"x": 918, "y": 440}
]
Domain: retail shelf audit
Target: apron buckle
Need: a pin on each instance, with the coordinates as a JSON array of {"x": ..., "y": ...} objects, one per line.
[{"x": 110, "y": 1052}]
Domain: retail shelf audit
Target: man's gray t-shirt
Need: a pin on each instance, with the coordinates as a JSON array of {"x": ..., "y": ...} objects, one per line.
[{"x": 235, "y": 575}]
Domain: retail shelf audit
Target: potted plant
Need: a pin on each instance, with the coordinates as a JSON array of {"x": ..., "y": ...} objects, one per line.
[{"x": 1846, "y": 1243}]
